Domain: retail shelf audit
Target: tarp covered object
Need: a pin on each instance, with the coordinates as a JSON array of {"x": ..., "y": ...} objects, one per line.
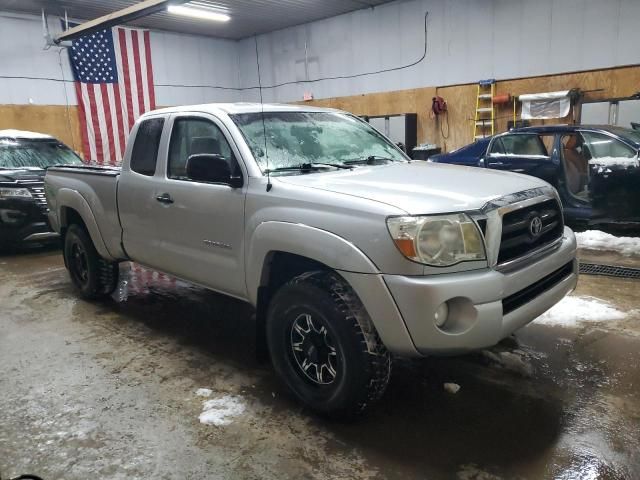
[{"x": 545, "y": 105}]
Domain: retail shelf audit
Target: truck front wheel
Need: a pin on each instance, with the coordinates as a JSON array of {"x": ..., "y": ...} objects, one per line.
[
  {"x": 94, "y": 276},
  {"x": 324, "y": 346}
]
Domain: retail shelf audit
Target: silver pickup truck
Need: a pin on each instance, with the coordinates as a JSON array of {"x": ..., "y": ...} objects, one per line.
[{"x": 349, "y": 251}]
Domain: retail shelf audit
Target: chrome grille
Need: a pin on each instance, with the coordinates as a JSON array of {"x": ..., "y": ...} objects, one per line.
[
  {"x": 37, "y": 191},
  {"x": 517, "y": 236}
]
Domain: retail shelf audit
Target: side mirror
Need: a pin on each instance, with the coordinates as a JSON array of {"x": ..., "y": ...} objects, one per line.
[{"x": 211, "y": 168}]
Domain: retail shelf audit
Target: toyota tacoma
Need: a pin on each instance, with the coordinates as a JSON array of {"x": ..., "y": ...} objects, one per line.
[{"x": 349, "y": 251}]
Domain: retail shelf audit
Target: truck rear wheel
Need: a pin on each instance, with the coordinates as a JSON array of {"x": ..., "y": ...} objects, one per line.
[
  {"x": 324, "y": 346},
  {"x": 94, "y": 276}
]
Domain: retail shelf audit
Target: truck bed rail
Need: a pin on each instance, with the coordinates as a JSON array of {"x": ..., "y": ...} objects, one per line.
[{"x": 88, "y": 169}]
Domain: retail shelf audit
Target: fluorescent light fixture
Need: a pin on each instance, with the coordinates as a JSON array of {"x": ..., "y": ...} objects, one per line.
[{"x": 201, "y": 13}]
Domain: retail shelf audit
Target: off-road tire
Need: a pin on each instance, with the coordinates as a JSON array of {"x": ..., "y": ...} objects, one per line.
[
  {"x": 101, "y": 276},
  {"x": 364, "y": 364}
]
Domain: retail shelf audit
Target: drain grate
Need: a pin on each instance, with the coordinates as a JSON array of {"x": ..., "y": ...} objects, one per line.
[{"x": 609, "y": 270}]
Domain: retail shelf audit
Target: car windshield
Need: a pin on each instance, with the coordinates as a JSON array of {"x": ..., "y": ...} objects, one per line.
[
  {"x": 627, "y": 133},
  {"x": 17, "y": 153},
  {"x": 313, "y": 138}
]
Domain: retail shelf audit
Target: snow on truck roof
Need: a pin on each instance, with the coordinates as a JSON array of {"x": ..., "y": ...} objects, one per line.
[
  {"x": 236, "y": 108},
  {"x": 10, "y": 133}
]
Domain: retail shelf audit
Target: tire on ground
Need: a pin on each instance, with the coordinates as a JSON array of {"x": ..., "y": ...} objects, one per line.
[
  {"x": 363, "y": 362},
  {"x": 101, "y": 277}
]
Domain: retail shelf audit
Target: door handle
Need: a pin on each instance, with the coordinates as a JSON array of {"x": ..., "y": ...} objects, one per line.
[
  {"x": 496, "y": 164},
  {"x": 164, "y": 198}
]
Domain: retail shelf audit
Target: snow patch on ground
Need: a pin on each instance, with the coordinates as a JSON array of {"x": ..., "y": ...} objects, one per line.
[
  {"x": 221, "y": 411},
  {"x": 473, "y": 472},
  {"x": 574, "y": 311},
  {"x": 204, "y": 392},
  {"x": 451, "y": 388},
  {"x": 512, "y": 361},
  {"x": 597, "y": 240}
]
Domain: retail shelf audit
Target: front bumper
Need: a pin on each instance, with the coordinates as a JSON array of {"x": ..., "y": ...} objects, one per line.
[
  {"x": 23, "y": 221},
  {"x": 478, "y": 319}
]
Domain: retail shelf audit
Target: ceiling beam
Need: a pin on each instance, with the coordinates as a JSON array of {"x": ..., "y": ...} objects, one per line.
[{"x": 139, "y": 10}]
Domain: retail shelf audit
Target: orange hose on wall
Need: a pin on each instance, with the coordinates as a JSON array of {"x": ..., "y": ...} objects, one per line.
[{"x": 501, "y": 99}]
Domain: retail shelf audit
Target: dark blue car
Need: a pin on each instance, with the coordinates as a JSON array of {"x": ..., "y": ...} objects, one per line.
[
  {"x": 468, "y": 155},
  {"x": 596, "y": 169}
]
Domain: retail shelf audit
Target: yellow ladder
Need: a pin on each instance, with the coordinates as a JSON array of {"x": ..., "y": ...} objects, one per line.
[{"x": 484, "y": 122}]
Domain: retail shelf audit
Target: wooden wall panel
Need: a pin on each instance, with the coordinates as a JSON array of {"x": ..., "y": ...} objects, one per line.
[
  {"x": 416, "y": 100},
  {"x": 597, "y": 85},
  {"x": 54, "y": 120}
]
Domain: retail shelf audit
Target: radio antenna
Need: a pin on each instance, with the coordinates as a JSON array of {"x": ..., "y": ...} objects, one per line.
[{"x": 264, "y": 128}]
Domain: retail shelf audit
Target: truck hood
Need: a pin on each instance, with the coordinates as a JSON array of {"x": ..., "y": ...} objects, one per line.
[
  {"x": 18, "y": 174},
  {"x": 420, "y": 187}
]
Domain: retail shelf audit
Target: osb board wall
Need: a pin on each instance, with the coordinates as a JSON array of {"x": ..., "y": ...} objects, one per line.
[
  {"x": 609, "y": 83},
  {"x": 55, "y": 120},
  {"x": 417, "y": 100},
  {"x": 622, "y": 82}
]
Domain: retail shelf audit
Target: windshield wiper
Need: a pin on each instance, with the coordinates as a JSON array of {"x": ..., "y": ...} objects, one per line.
[
  {"x": 308, "y": 167},
  {"x": 370, "y": 160}
]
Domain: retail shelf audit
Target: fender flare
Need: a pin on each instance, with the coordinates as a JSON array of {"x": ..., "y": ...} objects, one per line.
[
  {"x": 316, "y": 244},
  {"x": 72, "y": 199}
]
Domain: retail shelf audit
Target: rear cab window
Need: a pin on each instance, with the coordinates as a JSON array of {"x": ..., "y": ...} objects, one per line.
[{"x": 144, "y": 155}]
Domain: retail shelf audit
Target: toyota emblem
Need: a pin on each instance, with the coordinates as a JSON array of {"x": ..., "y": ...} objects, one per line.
[{"x": 535, "y": 226}]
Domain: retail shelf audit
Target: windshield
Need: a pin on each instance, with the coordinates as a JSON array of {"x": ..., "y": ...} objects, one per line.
[
  {"x": 297, "y": 138},
  {"x": 628, "y": 134},
  {"x": 35, "y": 153}
]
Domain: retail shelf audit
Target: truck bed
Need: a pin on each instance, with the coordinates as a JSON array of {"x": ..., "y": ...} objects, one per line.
[{"x": 93, "y": 191}]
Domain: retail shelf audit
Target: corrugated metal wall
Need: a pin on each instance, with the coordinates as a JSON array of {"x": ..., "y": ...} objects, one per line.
[
  {"x": 248, "y": 16},
  {"x": 178, "y": 59},
  {"x": 468, "y": 40}
]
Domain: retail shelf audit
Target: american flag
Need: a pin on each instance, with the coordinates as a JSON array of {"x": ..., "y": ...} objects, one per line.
[{"x": 114, "y": 86}]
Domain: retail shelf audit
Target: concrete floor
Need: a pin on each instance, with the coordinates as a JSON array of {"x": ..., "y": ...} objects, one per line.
[{"x": 108, "y": 390}]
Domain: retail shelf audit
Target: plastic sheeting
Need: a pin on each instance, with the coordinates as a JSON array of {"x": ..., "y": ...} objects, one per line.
[{"x": 545, "y": 105}]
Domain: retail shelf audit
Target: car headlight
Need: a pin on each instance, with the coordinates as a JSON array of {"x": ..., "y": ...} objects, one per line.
[
  {"x": 437, "y": 240},
  {"x": 14, "y": 193}
]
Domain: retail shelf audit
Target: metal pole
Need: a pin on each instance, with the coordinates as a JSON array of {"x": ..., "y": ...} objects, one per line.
[{"x": 139, "y": 10}]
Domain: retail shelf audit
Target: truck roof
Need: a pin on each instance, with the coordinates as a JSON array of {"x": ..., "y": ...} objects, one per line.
[
  {"x": 561, "y": 128},
  {"x": 626, "y": 134},
  {"x": 241, "y": 107}
]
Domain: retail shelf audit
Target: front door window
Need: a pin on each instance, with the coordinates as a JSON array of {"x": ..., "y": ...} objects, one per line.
[
  {"x": 191, "y": 136},
  {"x": 605, "y": 152}
]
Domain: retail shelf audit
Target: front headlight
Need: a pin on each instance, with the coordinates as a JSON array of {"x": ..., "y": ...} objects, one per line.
[
  {"x": 437, "y": 240},
  {"x": 14, "y": 193}
]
